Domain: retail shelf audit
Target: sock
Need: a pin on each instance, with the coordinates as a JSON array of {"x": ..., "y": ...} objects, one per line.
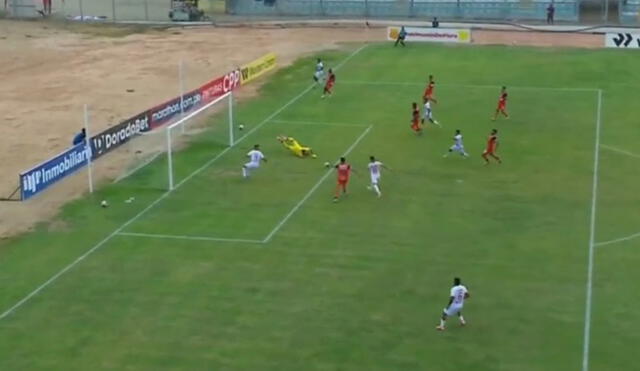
[
  {"x": 462, "y": 320},
  {"x": 244, "y": 172},
  {"x": 377, "y": 189},
  {"x": 441, "y": 323}
]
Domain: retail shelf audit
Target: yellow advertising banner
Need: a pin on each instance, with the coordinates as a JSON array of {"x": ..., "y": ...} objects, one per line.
[{"x": 258, "y": 67}]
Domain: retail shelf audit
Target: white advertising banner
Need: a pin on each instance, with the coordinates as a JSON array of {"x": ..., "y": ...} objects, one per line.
[
  {"x": 442, "y": 35},
  {"x": 622, "y": 40}
]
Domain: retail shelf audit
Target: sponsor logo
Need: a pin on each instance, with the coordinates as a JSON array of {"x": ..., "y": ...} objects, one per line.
[
  {"x": 114, "y": 137},
  {"x": 622, "y": 40},
  {"x": 258, "y": 67},
  {"x": 48, "y": 173},
  {"x": 168, "y": 110},
  {"x": 222, "y": 85},
  {"x": 431, "y": 34}
]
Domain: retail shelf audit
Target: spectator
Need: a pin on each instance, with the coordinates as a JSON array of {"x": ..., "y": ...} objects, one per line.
[
  {"x": 435, "y": 23},
  {"x": 80, "y": 137},
  {"x": 551, "y": 10},
  {"x": 401, "y": 36}
]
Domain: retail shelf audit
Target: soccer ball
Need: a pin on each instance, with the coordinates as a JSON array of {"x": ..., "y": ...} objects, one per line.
[
  {"x": 104, "y": 203},
  {"x": 327, "y": 164},
  {"x": 314, "y": 156},
  {"x": 240, "y": 127}
]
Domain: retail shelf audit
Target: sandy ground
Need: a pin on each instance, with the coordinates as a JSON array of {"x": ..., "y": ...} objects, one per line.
[{"x": 49, "y": 73}]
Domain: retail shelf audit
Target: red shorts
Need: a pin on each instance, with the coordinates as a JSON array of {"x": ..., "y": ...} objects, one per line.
[
  {"x": 489, "y": 151},
  {"x": 343, "y": 182},
  {"x": 328, "y": 86},
  {"x": 502, "y": 106},
  {"x": 428, "y": 96},
  {"x": 415, "y": 126}
]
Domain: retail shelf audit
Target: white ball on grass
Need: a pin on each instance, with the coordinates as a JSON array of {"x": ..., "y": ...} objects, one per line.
[
  {"x": 240, "y": 127},
  {"x": 104, "y": 203}
]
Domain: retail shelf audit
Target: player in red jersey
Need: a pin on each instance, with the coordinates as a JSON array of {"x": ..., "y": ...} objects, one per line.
[
  {"x": 502, "y": 104},
  {"x": 415, "y": 118},
  {"x": 328, "y": 87},
  {"x": 492, "y": 146},
  {"x": 428, "y": 92},
  {"x": 344, "y": 171}
]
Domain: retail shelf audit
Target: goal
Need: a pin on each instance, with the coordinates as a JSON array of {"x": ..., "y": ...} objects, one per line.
[
  {"x": 204, "y": 128},
  {"x": 164, "y": 158}
]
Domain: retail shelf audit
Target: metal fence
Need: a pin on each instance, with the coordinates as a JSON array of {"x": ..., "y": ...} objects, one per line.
[
  {"x": 156, "y": 11},
  {"x": 629, "y": 11},
  {"x": 455, "y": 9}
]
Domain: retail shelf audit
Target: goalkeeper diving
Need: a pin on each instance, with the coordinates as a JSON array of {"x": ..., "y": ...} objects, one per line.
[{"x": 295, "y": 147}]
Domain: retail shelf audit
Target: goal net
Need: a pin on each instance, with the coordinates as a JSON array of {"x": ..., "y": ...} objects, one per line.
[{"x": 165, "y": 157}]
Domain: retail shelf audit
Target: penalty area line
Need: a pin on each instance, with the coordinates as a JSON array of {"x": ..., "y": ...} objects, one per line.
[
  {"x": 319, "y": 123},
  {"x": 621, "y": 239},
  {"x": 190, "y": 238},
  {"x": 97, "y": 246},
  {"x": 314, "y": 188},
  {"x": 619, "y": 151},
  {"x": 515, "y": 87}
]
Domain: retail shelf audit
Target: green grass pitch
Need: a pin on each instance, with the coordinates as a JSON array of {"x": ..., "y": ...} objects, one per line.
[{"x": 359, "y": 285}]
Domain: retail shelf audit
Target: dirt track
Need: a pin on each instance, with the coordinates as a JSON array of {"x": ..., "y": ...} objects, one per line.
[{"x": 48, "y": 74}]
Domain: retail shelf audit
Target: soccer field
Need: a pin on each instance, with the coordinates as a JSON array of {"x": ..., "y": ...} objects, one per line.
[{"x": 270, "y": 274}]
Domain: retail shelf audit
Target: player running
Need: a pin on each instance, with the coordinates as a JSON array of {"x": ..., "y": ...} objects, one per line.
[
  {"x": 255, "y": 157},
  {"x": 457, "y": 146},
  {"x": 456, "y": 301},
  {"x": 502, "y": 104},
  {"x": 415, "y": 119},
  {"x": 492, "y": 146},
  {"x": 295, "y": 147},
  {"x": 428, "y": 113},
  {"x": 328, "y": 87},
  {"x": 318, "y": 76},
  {"x": 375, "y": 170},
  {"x": 344, "y": 171},
  {"x": 429, "y": 90}
]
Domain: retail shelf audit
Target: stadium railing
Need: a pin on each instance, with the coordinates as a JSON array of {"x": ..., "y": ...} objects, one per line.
[
  {"x": 157, "y": 11},
  {"x": 503, "y": 10},
  {"x": 629, "y": 11}
]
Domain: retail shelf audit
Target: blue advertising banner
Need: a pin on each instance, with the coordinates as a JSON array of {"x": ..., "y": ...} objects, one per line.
[{"x": 48, "y": 173}]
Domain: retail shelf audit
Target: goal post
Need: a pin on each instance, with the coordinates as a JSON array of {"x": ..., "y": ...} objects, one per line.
[{"x": 202, "y": 127}]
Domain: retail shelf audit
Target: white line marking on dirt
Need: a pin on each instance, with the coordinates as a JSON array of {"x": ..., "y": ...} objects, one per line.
[
  {"x": 592, "y": 237},
  {"x": 313, "y": 189},
  {"x": 64, "y": 270},
  {"x": 620, "y": 151}
]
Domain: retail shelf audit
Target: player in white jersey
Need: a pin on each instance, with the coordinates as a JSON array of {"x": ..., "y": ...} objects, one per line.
[
  {"x": 428, "y": 113},
  {"x": 318, "y": 75},
  {"x": 456, "y": 301},
  {"x": 457, "y": 146},
  {"x": 255, "y": 157},
  {"x": 375, "y": 170}
]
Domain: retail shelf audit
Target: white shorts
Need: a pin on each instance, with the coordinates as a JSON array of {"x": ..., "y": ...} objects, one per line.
[
  {"x": 252, "y": 165},
  {"x": 453, "y": 309},
  {"x": 319, "y": 75},
  {"x": 428, "y": 115},
  {"x": 375, "y": 178},
  {"x": 457, "y": 148}
]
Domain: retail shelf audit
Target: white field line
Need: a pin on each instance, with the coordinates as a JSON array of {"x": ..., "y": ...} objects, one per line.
[
  {"x": 621, "y": 239},
  {"x": 313, "y": 189},
  {"x": 64, "y": 270},
  {"x": 592, "y": 237},
  {"x": 297, "y": 122},
  {"x": 620, "y": 151},
  {"x": 400, "y": 83},
  {"x": 192, "y": 238}
]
